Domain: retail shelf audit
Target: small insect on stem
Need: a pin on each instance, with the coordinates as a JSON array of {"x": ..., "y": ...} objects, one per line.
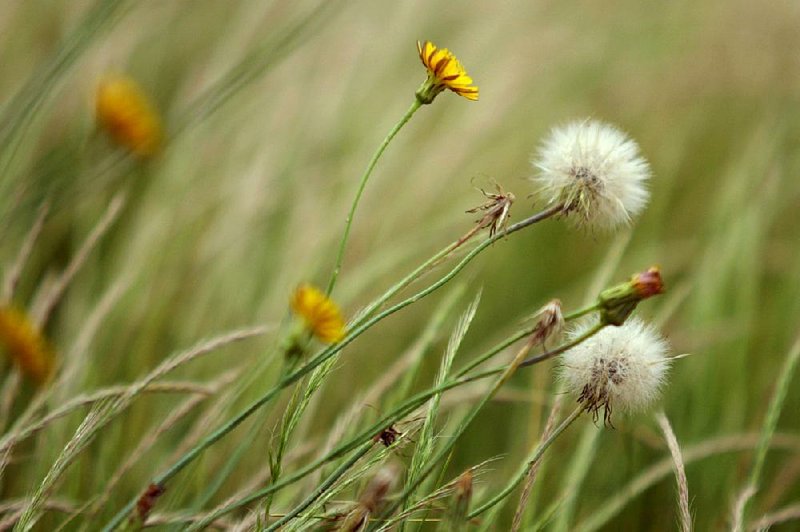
[
  {"x": 387, "y": 436},
  {"x": 148, "y": 499}
]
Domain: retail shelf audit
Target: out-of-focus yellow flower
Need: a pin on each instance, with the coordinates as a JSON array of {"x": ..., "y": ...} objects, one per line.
[
  {"x": 444, "y": 72},
  {"x": 128, "y": 116},
  {"x": 320, "y": 314},
  {"x": 25, "y": 344}
]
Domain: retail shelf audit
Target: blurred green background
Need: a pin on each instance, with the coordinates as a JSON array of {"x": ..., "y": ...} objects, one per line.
[{"x": 273, "y": 109}]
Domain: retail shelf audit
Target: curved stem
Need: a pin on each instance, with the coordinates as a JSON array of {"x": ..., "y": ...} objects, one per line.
[
  {"x": 408, "y": 406},
  {"x": 531, "y": 460},
  {"x": 436, "y": 459},
  {"x": 519, "y": 336},
  {"x": 422, "y": 268},
  {"x": 322, "y": 488},
  {"x": 364, "y": 178},
  {"x": 326, "y": 354},
  {"x": 550, "y": 354}
]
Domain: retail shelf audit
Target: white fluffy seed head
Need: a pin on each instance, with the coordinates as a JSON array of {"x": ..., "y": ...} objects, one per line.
[
  {"x": 618, "y": 368},
  {"x": 596, "y": 171}
]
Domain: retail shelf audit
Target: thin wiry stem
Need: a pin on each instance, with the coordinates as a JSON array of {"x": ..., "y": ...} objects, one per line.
[
  {"x": 535, "y": 457},
  {"x": 320, "y": 358},
  {"x": 102, "y": 413},
  {"x": 789, "y": 513},
  {"x": 83, "y": 400},
  {"x": 770, "y": 423},
  {"x": 11, "y": 278},
  {"x": 463, "y": 425},
  {"x": 680, "y": 472},
  {"x": 439, "y": 256},
  {"x": 530, "y": 477},
  {"x": 737, "y": 513},
  {"x": 408, "y": 406},
  {"x": 360, "y": 191},
  {"x": 550, "y": 354},
  {"x": 44, "y": 306},
  {"x": 322, "y": 488},
  {"x": 610, "y": 507}
]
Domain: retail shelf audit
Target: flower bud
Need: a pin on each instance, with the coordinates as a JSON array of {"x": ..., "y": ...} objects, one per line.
[{"x": 617, "y": 303}]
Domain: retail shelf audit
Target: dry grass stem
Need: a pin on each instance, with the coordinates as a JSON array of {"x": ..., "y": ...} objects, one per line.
[
  {"x": 661, "y": 469},
  {"x": 15, "y": 508},
  {"x": 534, "y": 468},
  {"x": 12, "y": 276},
  {"x": 47, "y": 300},
  {"x": 84, "y": 400},
  {"x": 784, "y": 515},
  {"x": 680, "y": 472},
  {"x": 152, "y": 438},
  {"x": 737, "y": 513}
]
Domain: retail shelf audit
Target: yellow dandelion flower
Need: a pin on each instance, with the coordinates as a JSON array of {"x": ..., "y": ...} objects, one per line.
[
  {"x": 444, "y": 72},
  {"x": 320, "y": 314},
  {"x": 25, "y": 344},
  {"x": 128, "y": 116}
]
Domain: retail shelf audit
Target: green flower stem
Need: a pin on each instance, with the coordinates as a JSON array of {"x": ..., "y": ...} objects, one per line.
[
  {"x": 364, "y": 178},
  {"x": 522, "y": 334},
  {"x": 550, "y": 354},
  {"x": 326, "y": 354},
  {"x": 322, "y": 488},
  {"x": 465, "y": 423},
  {"x": 387, "y": 420},
  {"x": 535, "y": 456},
  {"x": 447, "y": 250}
]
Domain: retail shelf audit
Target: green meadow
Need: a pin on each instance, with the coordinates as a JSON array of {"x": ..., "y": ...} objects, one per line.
[{"x": 162, "y": 282}]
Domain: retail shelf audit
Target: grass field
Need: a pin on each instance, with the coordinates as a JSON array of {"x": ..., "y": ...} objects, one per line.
[{"x": 271, "y": 111}]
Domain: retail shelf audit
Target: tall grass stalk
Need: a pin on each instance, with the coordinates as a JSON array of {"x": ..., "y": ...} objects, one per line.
[
  {"x": 680, "y": 472},
  {"x": 385, "y": 420},
  {"x": 767, "y": 432},
  {"x": 610, "y": 507},
  {"x": 323, "y": 356}
]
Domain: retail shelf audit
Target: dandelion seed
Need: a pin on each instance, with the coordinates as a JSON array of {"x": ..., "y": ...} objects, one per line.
[
  {"x": 444, "y": 72},
  {"x": 595, "y": 171},
  {"x": 128, "y": 116},
  {"x": 320, "y": 314},
  {"x": 618, "y": 368},
  {"x": 25, "y": 344}
]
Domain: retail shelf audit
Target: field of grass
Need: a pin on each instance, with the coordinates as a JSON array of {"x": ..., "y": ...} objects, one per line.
[{"x": 163, "y": 282}]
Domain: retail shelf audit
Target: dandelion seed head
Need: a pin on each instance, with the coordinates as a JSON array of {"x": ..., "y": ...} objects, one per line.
[
  {"x": 618, "y": 368},
  {"x": 596, "y": 171},
  {"x": 320, "y": 314}
]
